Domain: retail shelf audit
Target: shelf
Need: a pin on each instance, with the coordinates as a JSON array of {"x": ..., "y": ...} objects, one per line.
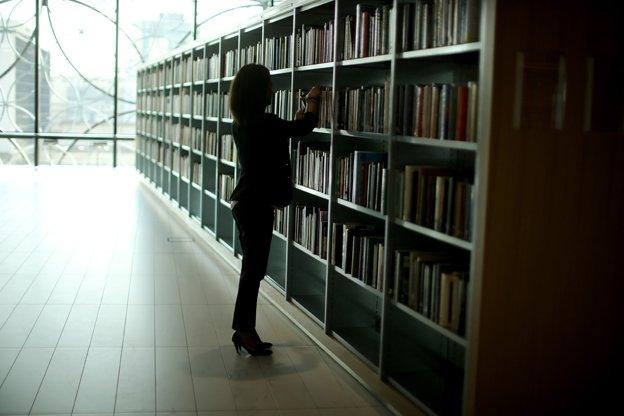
[
  {"x": 227, "y": 120},
  {"x": 198, "y": 82},
  {"x": 198, "y": 118},
  {"x": 210, "y": 118},
  {"x": 311, "y": 191},
  {"x": 458, "y": 339},
  {"x": 185, "y": 179},
  {"x": 280, "y": 71},
  {"x": 448, "y": 144},
  {"x": 441, "y": 51},
  {"x": 174, "y": 173},
  {"x": 197, "y": 152},
  {"x": 322, "y": 130},
  {"x": 363, "y": 134},
  {"x": 187, "y": 84},
  {"x": 175, "y": 144},
  {"x": 185, "y": 147},
  {"x": 278, "y": 235},
  {"x": 210, "y": 194},
  {"x": 209, "y": 156},
  {"x": 186, "y": 115},
  {"x": 225, "y": 203},
  {"x": 357, "y": 281},
  {"x": 313, "y": 67},
  {"x": 436, "y": 235},
  {"x": 227, "y": 79},
  {"x": 308, "y": 252},
  {"x": 212, "y": 81},
  {"x": 365, "y": 61},
  {"x": 228, "y": 163},
  {"x": 360, "y": 208}
]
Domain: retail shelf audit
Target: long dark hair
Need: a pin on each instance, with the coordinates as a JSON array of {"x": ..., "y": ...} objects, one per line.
[{"x": 249, "y": 92}]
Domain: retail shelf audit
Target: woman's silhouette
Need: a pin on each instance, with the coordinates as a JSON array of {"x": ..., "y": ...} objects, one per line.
[{"x": 264, "y": 184}]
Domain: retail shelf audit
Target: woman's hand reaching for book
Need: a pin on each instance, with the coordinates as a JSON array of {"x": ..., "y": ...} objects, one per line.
[
  {"x": 312, "y": 99},
  {"x": 314, "y": 93}
]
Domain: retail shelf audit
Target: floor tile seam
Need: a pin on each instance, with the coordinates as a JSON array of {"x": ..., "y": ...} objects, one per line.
[{"x": 61, "y": 333}]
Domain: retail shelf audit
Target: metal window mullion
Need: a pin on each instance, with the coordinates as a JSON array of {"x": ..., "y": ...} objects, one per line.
[
  {"x": 115, "y": 86},
  {"x": 36, "y": 109}
]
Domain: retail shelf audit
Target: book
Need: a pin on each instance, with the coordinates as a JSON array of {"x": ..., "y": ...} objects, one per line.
[
  {"x": 428, "y": 24},
  {"x": 314, "y": 44},
  {"x": 437, "y": 111},
  {"x": 432, "y": 284},
  {"x": 277, "y": 51},
  {"x": 311, "y": 229},
  {"x": 437, "y": 198},
  {"x": 312, "y": 163},
  {"x": 364, "y": 109},
  {"x": 367, "y": 34}
]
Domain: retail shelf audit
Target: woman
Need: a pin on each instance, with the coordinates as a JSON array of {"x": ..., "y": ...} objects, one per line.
[{"x": 264, "y": 184}]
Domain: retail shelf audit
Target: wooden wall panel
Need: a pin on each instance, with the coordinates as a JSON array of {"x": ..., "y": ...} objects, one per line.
[{"x": 550, "y": 304}]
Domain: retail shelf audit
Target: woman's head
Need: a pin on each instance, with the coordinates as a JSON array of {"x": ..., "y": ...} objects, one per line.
[{"x": 250, "y": 92}]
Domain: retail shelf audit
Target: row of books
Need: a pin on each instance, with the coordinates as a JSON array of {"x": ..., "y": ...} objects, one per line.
[
  {"x": 228, "y": 148},
  {"x": 199, "y": 68},
  {"x": 311, "y": 229},
  {"x": 214, "y": 66},
  {"x": 226, "y": 186},
  {"x": 367, "y": 33},
  {"x": 146, "y": 124},
  {"x": 230, "y": 64},
  {"x": 438, "y": 111},
  {"x": 198, "y": 103},
  {"x": 225, "y": 106},
  {"x": 185, "y": 101},
  {"x": 210, "y": 143},
  {"x": 185, "y": 165},
  {"x": 185, "y": 135},
  {"x": 151, "y": 79},
  {"x": 281, "y": 104},
  {"x": 196, "y": 138},
  {"x": 314, "y": 44},
  {"x": 149, "y": 102},
  {"x": 280, "y": 221},
  {"x": 433, "y": 285},
  {"x": 250, "y": 54},
  {"x": 277, "y": 52},
  {"x": 363, "y": 109},
  {"x": 358, "y": 250},
  {"x": 438, "y": 198},
  {"x": 172, "y": 131},
  {"x": 196, "y": 172},
  {"x": 429, "y": 24},
  {"x": 312, "y": 165},
  {"x": 212, "y": 104},
  {"x": 325, "y": 106},
  {"x": 361, "y": 179}
]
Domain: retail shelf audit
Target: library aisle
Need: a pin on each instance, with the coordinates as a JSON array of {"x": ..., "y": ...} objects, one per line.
[{"x": 107, "y": 308}]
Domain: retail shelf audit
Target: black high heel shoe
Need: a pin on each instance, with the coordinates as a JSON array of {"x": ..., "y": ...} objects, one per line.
[
  {"x": 256, "y": 350},
  {"x": 263, "y": 344}
]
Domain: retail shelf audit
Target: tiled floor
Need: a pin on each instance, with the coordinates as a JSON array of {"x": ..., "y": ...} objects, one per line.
[{"x": 99, "y": 314}]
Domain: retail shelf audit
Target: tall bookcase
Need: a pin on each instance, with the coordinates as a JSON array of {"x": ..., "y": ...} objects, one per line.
[{"x": 419, "y": 357}]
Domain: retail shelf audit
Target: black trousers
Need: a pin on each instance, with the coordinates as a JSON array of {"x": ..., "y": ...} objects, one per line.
[{"x": 255, "y": 224}]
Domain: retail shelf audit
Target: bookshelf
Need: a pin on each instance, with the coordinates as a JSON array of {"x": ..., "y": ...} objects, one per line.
[{"x": 418, "y": 355}]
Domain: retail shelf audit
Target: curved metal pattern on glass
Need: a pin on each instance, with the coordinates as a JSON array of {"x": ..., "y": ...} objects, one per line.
[{"x": 76, "y": 89}]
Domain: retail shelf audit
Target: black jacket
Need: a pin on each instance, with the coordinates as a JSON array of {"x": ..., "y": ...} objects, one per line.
[{"x": 263, "y": 154}]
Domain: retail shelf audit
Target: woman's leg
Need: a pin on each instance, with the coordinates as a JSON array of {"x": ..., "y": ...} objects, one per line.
[{"x": 255, "y": 224}]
